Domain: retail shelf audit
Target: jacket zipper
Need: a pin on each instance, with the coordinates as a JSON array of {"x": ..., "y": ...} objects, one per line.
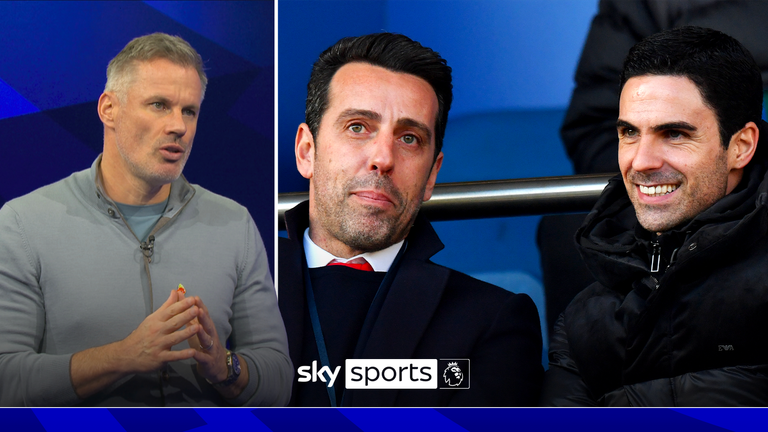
[
  {"x": 148, "y": 249},
  {"x": 655, "y": 257},
  {"x": 655, "y": 262}
]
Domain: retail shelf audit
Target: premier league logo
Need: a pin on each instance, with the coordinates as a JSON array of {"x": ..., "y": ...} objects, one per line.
[{"x": 455, "y": 373}]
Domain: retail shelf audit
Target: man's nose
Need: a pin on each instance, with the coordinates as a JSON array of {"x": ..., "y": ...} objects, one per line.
[
  {"x": 649, "y": 155},
  {"x": 176, "y": 124},
  {"x": 382, "y": 156}
]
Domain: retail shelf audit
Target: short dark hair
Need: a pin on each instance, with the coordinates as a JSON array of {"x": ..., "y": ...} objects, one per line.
[
  {"x": 395, "y": 52},
  {"x": 721, "y": 68}
]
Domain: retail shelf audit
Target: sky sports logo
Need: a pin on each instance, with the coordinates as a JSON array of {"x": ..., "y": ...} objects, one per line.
[{"x": 392, "y": 374}]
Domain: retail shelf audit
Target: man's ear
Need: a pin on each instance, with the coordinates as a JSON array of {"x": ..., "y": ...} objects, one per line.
[
  {"x": 305, "y": 151},
  {"x": 743, "y": 146},
  {"x": 108, "y": 107},
  {"x": 433, "y": 177}
]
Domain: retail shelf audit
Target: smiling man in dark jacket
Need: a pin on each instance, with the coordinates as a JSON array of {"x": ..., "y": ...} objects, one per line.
[{"x": 678, "y": 249}]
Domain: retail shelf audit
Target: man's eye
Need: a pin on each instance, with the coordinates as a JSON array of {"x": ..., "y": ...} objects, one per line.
[
  {"x": 189, "y": 112},
  {"x": 676, "y": 134},
  {"x": 410, "y": 139},
  {"x": 629, "y": 133},
  {"x": 357, "y": 128},
  {"x": 157, "y": 105}
]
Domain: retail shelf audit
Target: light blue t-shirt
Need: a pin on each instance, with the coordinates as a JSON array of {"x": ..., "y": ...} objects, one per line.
[{"x": 142, "y": 219}]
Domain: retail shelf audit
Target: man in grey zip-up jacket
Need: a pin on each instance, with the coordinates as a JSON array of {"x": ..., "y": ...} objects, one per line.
[{"x": 86, "y": 271}]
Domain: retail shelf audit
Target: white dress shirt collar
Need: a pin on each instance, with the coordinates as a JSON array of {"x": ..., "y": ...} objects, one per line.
[{"x": 380, "y": 260}]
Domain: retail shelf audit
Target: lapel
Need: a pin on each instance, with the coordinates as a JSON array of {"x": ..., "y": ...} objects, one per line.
[{"x": 408, "y": 309}]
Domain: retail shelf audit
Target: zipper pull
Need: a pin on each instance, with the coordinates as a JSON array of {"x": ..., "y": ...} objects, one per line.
[
  {"x": 674, "y": 257},
  {"x": 656, "y": 257},
  {"x": 148, "y": 248}
]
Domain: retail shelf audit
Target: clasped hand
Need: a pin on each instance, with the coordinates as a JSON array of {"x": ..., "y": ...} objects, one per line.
[
  {"x": 211, "y": 357},
  {"x": 149, "y": 348},
  {"x": 159, "y": 332}
]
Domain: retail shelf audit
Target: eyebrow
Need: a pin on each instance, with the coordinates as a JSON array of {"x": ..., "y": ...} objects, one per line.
[
  {"x": 681, "y": 125},
  {"x": 158, "y": 98},
  {"x": 675, "y": 125},
  {"x": 371, "y": 115}
]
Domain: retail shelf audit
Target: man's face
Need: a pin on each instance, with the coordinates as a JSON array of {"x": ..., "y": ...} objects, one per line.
[
  {"x": 372, "y": 162},
  {"x": 670, "y": 155},
  {"x": 156, "y": 121}
]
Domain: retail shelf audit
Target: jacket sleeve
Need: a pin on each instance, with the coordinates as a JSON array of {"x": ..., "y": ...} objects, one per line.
[
  {"x": 27, "y": 377},
  {"x": 506, "y": 363},
  {"x": 258, "y": 333},
  {"x": 563, "y": 385}
]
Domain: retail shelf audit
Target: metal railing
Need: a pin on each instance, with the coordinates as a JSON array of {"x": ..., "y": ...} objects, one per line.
[{"x": 499, "y": 198}]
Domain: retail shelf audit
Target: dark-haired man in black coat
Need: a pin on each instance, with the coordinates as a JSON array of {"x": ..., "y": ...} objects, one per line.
[{"x": 677, "y": 242}]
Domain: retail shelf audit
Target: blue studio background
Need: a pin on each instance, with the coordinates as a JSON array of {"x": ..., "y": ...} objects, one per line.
[
  {"x": 53, "y": 61},
  {"x": 513, "y": 65}
]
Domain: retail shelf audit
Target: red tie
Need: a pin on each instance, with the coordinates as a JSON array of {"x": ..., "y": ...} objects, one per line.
[{"x": 358, "y": 263}]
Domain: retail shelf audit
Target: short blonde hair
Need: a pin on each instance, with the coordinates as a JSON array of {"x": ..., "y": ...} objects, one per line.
[{"x": 121, "y": 69}]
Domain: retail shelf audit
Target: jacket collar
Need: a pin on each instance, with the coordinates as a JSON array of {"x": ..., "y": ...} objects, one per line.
[{"x": 92, "y": 189}]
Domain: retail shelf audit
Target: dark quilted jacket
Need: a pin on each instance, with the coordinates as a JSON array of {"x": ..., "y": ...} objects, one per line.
[{"x": 694, "y": 333}]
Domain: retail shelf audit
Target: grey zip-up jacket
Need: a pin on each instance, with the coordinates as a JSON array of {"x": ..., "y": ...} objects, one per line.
[{"x": 74, "y": 276}]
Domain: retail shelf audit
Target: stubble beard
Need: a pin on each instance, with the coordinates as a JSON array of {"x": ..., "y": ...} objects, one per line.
[
  {"x": 362, "y": 228},
  {"x": 691, "y": 203},
  {"x": 147, "y": 169}
]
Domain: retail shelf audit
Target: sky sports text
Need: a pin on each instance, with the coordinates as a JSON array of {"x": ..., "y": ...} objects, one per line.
[{"x": 392, "y": 374}]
